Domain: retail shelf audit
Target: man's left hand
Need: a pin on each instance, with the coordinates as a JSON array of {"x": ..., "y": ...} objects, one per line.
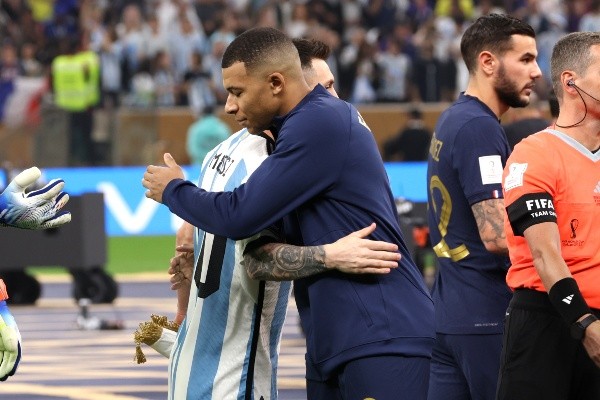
[{"x": 156, "y": 178}]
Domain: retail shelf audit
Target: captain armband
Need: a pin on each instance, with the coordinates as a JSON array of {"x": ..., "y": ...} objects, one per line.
[
  {"x": 3, "y": 291},
  {"x": 530, "y": 209},
  {"x": 567, "y": 300}
]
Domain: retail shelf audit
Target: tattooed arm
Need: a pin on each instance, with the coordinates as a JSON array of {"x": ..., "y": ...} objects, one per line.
[
  {"x": 351, "y": 254},
  {"x": 489, "y": 215}
]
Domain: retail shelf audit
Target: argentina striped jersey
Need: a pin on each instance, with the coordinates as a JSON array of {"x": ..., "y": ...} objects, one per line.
[{"x": 228, "y": 344}]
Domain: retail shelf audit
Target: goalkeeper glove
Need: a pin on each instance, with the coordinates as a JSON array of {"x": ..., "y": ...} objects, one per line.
[
  {"x": 39, "y": 209},
  {"x": 10, "y": 343}
]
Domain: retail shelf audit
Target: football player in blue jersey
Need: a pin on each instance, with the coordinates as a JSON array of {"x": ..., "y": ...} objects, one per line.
[
  {"x": 39, "y": 209},
  {"x": 466, "y": 210},
  {"x": 250, "y": 372},
  {"x": 368, "y": 335}
]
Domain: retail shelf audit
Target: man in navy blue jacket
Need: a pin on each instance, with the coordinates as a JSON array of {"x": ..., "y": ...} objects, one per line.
[{"x": 368, "y": 335}]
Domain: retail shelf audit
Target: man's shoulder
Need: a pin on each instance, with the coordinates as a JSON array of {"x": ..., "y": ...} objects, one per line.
[
  {"x": 467, "y": 107},
  {"x": 323, "y": 110},
  {"x": 242, "y": 138},
  {"x": 463, "y": 115},
  {"x": 537, "y": 147}
]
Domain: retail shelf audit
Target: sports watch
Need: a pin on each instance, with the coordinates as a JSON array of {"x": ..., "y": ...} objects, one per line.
[{"x": 578, "y": 328}]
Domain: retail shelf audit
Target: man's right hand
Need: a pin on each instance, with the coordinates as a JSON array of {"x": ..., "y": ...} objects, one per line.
[
  {"x": 356, "y": 255},
  {"x": 182, "y": 267}
]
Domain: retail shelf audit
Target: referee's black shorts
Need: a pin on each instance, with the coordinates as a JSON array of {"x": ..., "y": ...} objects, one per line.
[{"x": 539, "y": 358}]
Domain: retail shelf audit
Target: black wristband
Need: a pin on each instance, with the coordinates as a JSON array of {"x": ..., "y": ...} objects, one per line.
[{"x": 567, "y": 300}]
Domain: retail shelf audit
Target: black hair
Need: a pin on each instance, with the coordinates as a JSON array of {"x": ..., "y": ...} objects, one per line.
[
  {"x": 309, "y": 49},
  {"x": 256, "y": 46},
  {"x": 493, "y": 33}
]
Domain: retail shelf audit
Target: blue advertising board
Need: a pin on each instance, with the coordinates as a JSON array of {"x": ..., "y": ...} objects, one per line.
[{"x": 129, "y": 212}]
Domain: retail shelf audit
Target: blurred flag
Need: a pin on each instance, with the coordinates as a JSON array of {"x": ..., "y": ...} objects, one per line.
[{"x": 22, "y": 105}]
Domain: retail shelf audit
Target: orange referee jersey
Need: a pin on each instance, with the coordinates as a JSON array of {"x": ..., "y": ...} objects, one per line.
[{"x": 551, "y": 177}]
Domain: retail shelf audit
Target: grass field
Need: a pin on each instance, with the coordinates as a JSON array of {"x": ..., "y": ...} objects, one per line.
[{"x": 130, "y": 254}]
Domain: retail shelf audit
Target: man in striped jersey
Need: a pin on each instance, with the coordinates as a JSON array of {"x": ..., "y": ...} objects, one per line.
[{"x": 228, "y": 345}]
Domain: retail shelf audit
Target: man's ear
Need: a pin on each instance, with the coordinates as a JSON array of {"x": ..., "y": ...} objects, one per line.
[
  {"x": 276, "y": 82},
  {"x": 487, "y": 62}
]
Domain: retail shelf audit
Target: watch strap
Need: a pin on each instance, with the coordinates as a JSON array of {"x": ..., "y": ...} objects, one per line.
[{"x": 584, "y": 323}]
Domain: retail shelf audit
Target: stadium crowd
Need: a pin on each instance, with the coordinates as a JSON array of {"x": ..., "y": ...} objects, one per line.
[{"x": 167, "y": 52}]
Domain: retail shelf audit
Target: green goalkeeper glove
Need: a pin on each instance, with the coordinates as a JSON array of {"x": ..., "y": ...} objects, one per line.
[{"x": 10, "y": 343}]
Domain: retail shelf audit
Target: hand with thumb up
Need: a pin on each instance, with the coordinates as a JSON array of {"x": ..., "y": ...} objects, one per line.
[{"x": 156, "y": 178}]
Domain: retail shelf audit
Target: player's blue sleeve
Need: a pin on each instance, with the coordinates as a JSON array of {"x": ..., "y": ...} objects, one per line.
[
  {"x": 479, "y": 143},
  {"x": 307, "y": 160}
]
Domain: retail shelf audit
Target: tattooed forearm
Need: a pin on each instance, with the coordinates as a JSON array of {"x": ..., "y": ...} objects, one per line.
[
  {"x": 282, "y": 262},
  {"x": 489, "y": 215}
]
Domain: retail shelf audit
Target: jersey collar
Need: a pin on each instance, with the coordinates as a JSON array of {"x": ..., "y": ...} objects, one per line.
[{"x": 278, "y": 121}]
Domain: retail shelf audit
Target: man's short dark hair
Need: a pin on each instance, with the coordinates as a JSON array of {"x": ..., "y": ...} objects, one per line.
[
  {"x": 572, "y": 52},
  {"x": 309, "y": 49},
  {"x": 257, "y": 46},
  {"x": 493, "y": 33}
]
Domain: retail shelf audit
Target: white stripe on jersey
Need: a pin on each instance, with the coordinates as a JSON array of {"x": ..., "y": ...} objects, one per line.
[{"x": 217, "y": 346}]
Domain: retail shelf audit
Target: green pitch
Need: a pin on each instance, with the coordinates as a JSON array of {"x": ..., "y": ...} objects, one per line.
[{"x": 130, "y": 254}]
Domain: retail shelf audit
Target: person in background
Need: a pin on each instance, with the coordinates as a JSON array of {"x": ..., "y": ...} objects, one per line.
[
  {"x": 198, "y": 89},
  {"x": 411, "y": 143},
  {"x": 205, "y": 134},
  {"x": 9, "y": 71},
  {"x": 466, "y": 210},
  {"x": 551, "y": 346},
  {"x": 165, "y": 85},
  {"x": 76, "y": 87},
  {"x": 39, "y": 209},
  {"x": 30, "y": 66}
]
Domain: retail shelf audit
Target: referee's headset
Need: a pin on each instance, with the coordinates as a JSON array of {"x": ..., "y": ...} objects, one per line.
[
  {"x": 579, "y": 90},
  {"x": 571, "y": 83}
]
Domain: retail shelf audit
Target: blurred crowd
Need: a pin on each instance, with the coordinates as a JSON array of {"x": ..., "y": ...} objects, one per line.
[{"x": 167, "y": 52}]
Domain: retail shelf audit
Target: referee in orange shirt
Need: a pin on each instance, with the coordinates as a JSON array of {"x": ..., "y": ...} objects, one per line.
[{"x": 552, "y": 196}]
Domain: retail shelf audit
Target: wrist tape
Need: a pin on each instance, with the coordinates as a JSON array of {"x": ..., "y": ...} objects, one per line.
[{"x": 567, "y": 300}]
